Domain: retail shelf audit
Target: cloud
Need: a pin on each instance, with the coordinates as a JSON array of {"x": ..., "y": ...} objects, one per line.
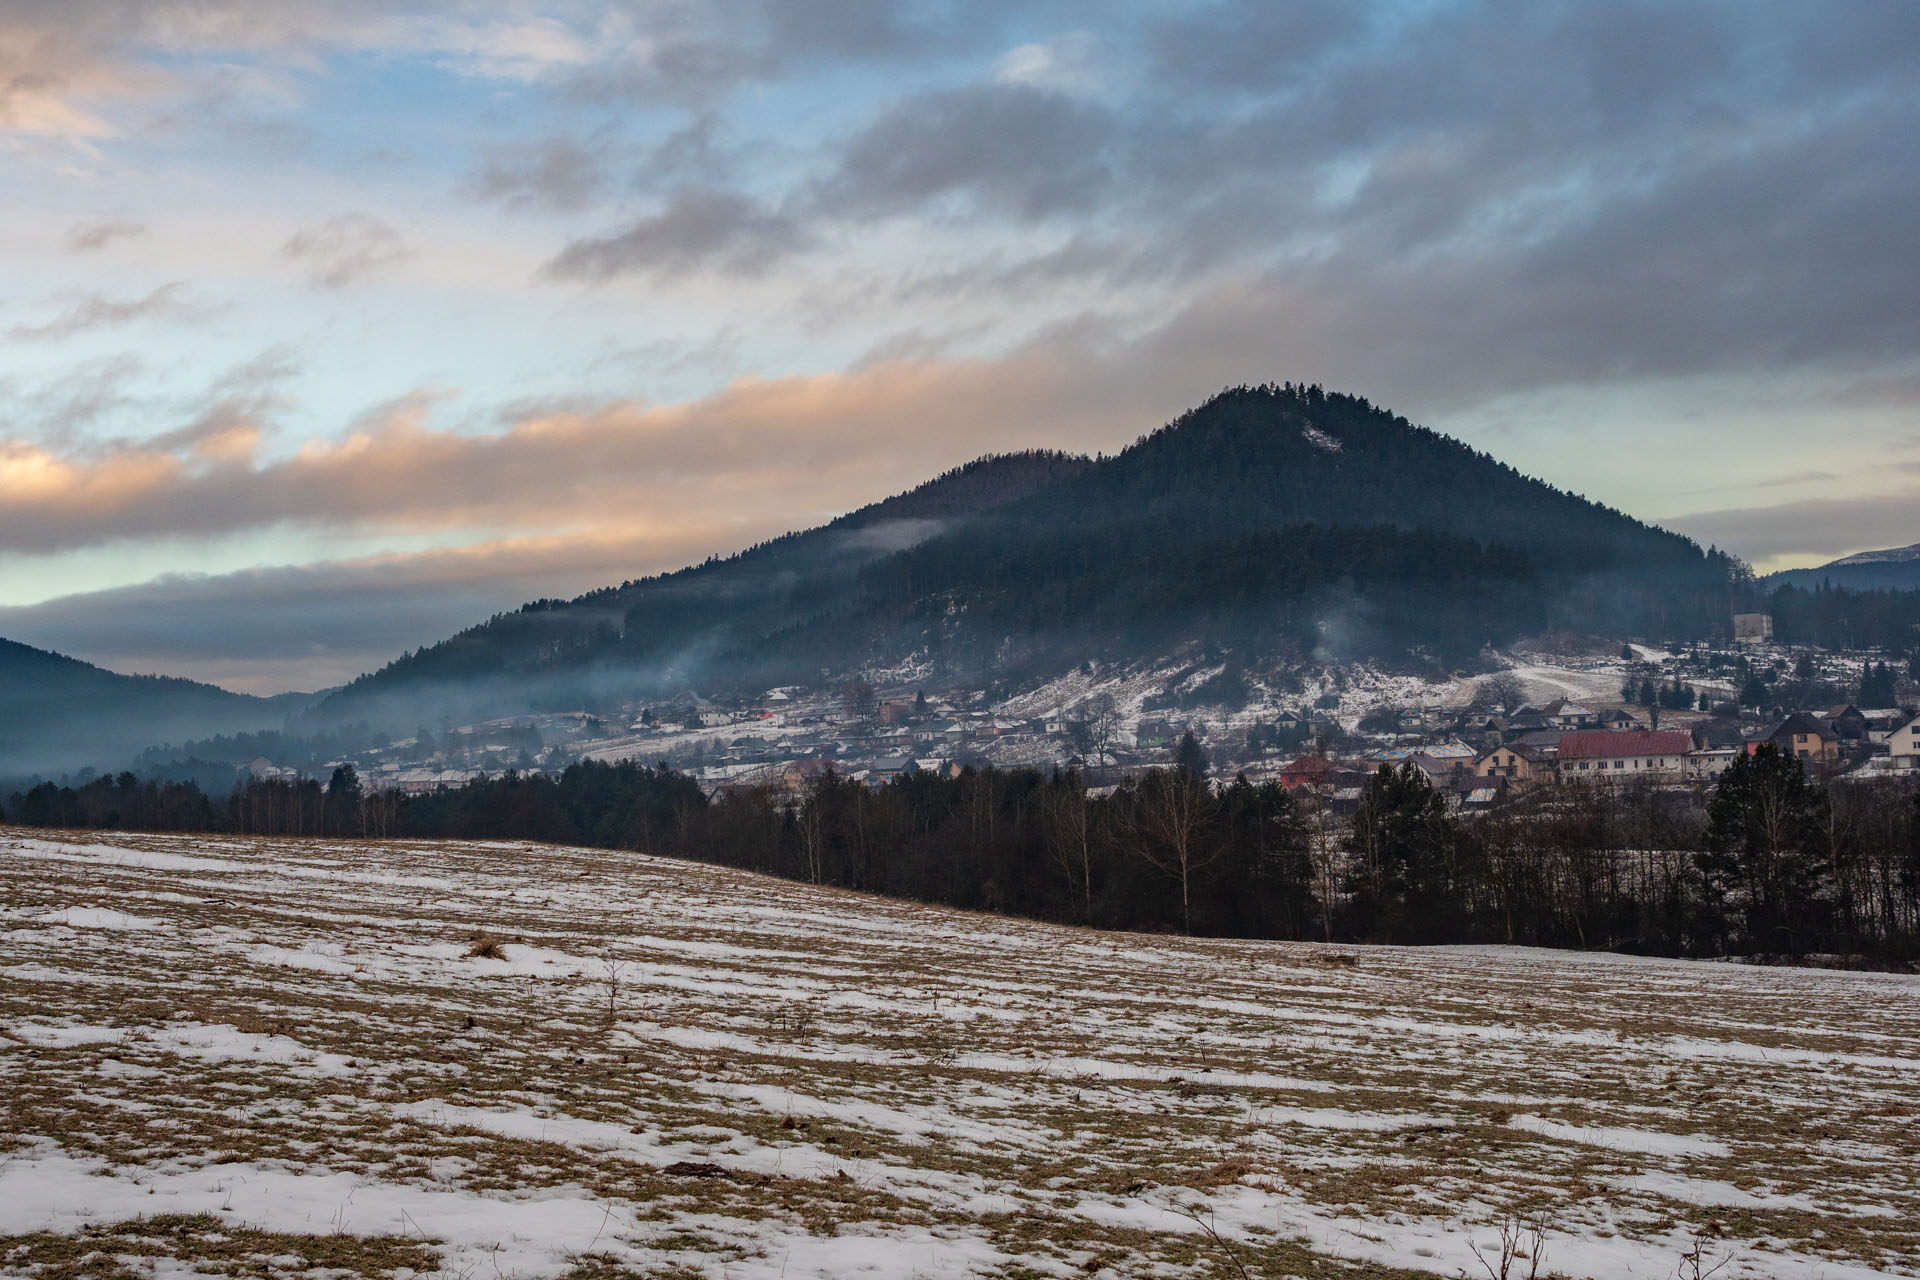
[
  {"x": 91, "y": 237},
  {"x": 1069, "y": 62},
  {"x": 798, "y": 449},
  {"x": 345, "y": 251},
  {"x": 1010, "y": 148},
  {"x": 275, "y": 628},
  {"x": 697, "y": 229},
  {"x": 697, "y": 52},
  {"x": 1813, "y": 530},
  {"x": 550, "y": 174},
  {"x": 94, "y": 311}
]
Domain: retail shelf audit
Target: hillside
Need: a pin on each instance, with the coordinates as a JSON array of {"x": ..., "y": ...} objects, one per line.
[
  {"x": 1271, "y": 522},
  {"x": 284, "y": 1058},
  {"x": 58, "y": 713},
  {"x": 1895, "y": 569}
]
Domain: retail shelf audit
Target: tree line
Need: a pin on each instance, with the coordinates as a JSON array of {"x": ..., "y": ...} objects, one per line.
[{"x": 1767, "y": 862}]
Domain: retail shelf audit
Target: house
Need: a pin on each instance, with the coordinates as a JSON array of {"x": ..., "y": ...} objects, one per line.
[
  {"x": 1308, "y": 771},
  {"x": 801, "y": 772},
  {"x": 1903, "y": 745},
  {"x": 1543, "y": 745},
  {"x": 1848, "y": 722},
  {"x": 1882, "y": 721},
  {"x": 1562, "y": 714},
  {"x": 1619, "y": 756},
  {"x": 1752, "y": 628},
  {"x": 1525, "y": 720},
  {"x": 1616, "y": 718},
  {"x": 1153, "y": 733},
  {"x": 1806, "y": 738},
  {"x": 1704, "y": 764},
  {"x": 1514, "y": 763}
]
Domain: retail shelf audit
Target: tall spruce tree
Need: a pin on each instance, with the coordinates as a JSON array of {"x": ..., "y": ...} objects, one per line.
[{"x": 1765, "y": 861}]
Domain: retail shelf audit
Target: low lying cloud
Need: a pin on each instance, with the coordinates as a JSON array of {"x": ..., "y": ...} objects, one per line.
[{"x": 276, "y": 628}]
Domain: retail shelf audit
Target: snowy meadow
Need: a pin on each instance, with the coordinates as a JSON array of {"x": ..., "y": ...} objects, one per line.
[{"x": 281, "y": 1058}]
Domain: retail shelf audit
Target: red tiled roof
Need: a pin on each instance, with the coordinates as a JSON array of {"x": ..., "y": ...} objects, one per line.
[{"x": 1625, "y": 742}]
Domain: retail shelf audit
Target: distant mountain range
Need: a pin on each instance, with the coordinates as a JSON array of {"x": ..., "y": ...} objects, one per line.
[
  {"x": 59, "y": 714},
  {"x": 1897, "y": 568},
  {"x": 1275, "y": 523}
]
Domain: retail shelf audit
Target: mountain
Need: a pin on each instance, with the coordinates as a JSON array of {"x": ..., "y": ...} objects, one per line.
[
  {"x": 1277, "y": 522},
  {"x": 1895, "y": 569},
  {"x": 58, "y": 713}
]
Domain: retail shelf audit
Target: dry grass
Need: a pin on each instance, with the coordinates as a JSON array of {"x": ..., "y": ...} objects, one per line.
[{"x": 738, "y": 1071}]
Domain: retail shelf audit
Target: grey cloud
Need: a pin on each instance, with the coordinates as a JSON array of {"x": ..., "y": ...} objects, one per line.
[
  {"x": 73, "y": 404},
  {"x": 91, "y": 237},
  {"x": 1480, "y": 197},
  {"x": 1250, "y": 45},
  {"x": 1015, "y": 149},
  {"x": 698, "y": 228},
  {"x": 550, "y": 174},
  {"x": 1816, "y": 528},
  {"x": 696, "y": 52},
  {"x": 275, "y": 628},
  {"x": 95, "y": 311},
  {"x": 346, "y": 250}
]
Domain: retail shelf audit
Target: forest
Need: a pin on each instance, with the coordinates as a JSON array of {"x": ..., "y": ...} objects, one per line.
[{"x": 1768, "y": 862}]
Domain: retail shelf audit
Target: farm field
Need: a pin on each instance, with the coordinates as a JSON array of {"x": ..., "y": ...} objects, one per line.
[{"x": 291, "y": 1058}]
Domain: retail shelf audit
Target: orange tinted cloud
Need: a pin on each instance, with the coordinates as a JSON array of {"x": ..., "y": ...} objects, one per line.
[{"x": 799, "y": 447}]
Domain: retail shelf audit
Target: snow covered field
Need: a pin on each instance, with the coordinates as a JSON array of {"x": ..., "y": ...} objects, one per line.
[{"x": 279, "y": 1058}]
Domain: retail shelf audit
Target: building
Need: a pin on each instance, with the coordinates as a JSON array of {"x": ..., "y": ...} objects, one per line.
[
  {"x": 1848, "y": 722},
  {"x": 1562, "y": 714},
  {"x": 1153, "y": 733},
  {"x": 1807, "y": 739},
  {"x": 800, "y": 773},
  {"x": 1624, "y": 756},
  {"x": 1752, "y": 628},
  {"x": 1903, "y": 745},
  {"x": 1517, "y": 764},
  {"x": 1704, "y": 764},
  {"x": 1308, "y": 771}
]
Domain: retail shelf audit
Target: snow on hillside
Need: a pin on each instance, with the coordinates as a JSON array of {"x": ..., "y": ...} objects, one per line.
[
  {"x": 1892, "y": 555},
  {"x": 301, "y": 1058}
]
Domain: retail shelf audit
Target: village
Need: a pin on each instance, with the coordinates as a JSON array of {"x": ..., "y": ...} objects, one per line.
[{"x": 1617, "y": 714}]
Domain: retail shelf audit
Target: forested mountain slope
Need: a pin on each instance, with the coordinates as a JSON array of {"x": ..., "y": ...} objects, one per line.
[{"x": 1270, "y": 521}]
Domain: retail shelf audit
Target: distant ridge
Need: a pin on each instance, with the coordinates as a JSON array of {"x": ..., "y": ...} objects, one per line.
[
  {"x": 59, "y": 713},
  {"x": 1896, "y": 568}
]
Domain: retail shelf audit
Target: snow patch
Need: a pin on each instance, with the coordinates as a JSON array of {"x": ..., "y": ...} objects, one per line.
[{"x": 1320, "y": 439}]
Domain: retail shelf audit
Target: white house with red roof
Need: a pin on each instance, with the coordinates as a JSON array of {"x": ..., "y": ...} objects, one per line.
[{"x": 1624, "y": 755}]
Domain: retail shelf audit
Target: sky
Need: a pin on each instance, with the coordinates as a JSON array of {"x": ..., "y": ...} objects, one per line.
[{"x": 328, "y": 330}]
